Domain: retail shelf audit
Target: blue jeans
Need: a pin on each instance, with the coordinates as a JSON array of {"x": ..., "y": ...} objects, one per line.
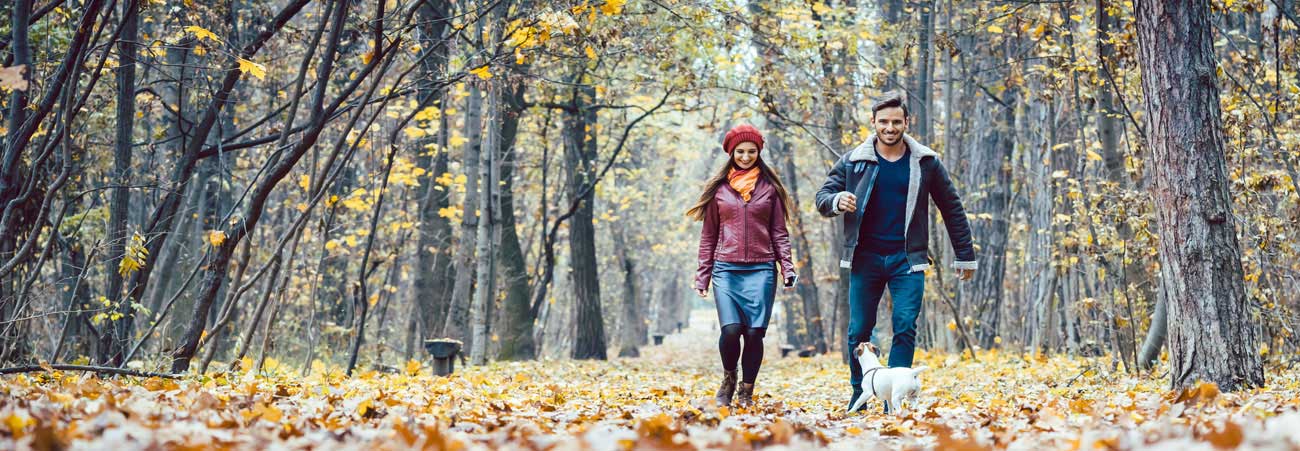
[{"x": 870, "y": 275}]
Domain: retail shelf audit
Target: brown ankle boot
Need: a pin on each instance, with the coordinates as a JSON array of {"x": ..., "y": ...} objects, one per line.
[
  {"x": 727, "y": 389},
  {"x": 745, "y": 395}
]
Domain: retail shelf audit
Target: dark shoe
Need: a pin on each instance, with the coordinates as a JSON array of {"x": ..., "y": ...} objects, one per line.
[
  {"x": 745, "y": 395},
  {"x": 857, "y": 392},
  {"x": 727, "y": 389}
]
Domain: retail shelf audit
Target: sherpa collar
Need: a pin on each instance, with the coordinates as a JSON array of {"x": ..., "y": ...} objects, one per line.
[{"x": 867, "y": 151}]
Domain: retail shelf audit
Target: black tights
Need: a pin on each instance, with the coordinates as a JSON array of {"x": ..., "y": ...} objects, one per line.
[{"x": 750, "y": 358}]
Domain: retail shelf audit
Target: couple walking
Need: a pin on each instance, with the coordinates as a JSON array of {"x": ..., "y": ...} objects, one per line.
[{"x": 880, "y": 188}]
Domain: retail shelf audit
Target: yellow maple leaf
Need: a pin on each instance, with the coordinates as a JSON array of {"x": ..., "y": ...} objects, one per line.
[
  {"x": 482, "y": 72},
  {"x": 202, "y": 33},
  {"x": 591, "y": 53},
  {"x": 995, "y": 29},
  {"x": 249, "y": 67}
]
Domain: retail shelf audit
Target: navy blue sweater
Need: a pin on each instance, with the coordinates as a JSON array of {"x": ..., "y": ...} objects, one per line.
[{"x": 882, "y": 219}]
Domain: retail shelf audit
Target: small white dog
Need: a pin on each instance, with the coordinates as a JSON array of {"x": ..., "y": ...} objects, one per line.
[{"x": 895, "y": 386}]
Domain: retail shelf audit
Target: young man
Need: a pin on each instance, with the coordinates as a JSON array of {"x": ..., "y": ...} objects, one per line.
[{"x": 881, "y": 188}]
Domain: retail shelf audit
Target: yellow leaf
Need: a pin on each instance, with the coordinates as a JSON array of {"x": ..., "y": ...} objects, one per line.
[
  {"x": 1094, "y": 156},
  {"x": 269, "y": 412},
  {"x": 428, "y": 114},
  {"x": 17, "y": 423},
  {"x": 249, "y": 67},
  {"x": 591, "y": 53},
  {"x": 413, "y": 367},
  {"x": 456, "y": 140},
  {"x": 414, "y": 132},
  {"x": 612, "y": 7},
  {"x": 216, "y": 237},
  {"x": 482, "y": 72},
  {"x": 202, "y": 33},
  {"x": 995, "y": 29}
]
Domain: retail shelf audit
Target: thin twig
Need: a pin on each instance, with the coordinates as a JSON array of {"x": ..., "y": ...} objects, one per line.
[{"x": 97, "y": 369}]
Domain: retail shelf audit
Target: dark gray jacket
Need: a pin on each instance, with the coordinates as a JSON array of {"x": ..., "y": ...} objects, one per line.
[{"x": 856, "y": 172}]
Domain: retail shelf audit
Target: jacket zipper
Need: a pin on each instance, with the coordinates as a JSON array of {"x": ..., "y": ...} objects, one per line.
[{"x": 745, "y": 218}]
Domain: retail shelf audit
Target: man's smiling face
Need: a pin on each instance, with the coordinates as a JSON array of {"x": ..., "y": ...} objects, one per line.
[{"x": 890, "y": 125}]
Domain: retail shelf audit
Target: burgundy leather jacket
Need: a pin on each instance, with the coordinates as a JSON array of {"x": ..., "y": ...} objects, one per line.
[{"x": 739, "y": 232}]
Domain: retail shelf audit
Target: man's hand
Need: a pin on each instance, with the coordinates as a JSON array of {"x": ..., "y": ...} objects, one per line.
[
  {"x": 848, "y": 203},
  {"x": 965, "y": 274},
  {"x": 702, "y": 293}
]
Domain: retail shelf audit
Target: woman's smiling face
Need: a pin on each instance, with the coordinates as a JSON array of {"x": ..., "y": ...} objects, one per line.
[{"x": 745, "y": 155}]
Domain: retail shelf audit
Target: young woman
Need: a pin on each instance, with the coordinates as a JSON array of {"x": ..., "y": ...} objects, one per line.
[{"x": 744, "y": 209}]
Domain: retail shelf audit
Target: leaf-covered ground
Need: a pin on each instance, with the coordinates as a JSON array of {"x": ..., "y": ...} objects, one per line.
[{"x": 654, "y": 402}]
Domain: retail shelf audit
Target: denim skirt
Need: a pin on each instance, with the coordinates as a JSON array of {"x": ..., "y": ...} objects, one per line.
[{"x": 744, "y": 292}]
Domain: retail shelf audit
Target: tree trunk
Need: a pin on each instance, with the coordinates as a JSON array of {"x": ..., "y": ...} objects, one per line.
[
  {"x": 518, "y": 315},
  {"x": 1211, "y": 337},
  {"x": 630, "y": 315},
  {"x": 462, "y": 291},
  {"x": 1150, "y": 354},
  {"x": 433, "y": 270},
  {"x": 517, "y": 325},
  {"x": 990, "y": 175},
  {"x": 579, "y": 153},
  {"x": 17, "y": 109},
  {"x": 118, "y": 337},
  {"x": 485, "y": 273},
  {"x": 921, "y": 92}
]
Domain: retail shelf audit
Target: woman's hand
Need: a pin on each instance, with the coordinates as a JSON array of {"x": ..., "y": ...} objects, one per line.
[
  {"x": 702, "y": 293},
  {"x": 790, "y": 281}
]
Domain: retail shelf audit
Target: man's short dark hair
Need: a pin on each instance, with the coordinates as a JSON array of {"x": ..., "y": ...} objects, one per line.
[{"x": 892, "y": 99}]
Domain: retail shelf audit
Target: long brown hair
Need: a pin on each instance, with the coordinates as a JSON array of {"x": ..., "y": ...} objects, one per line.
[{"x": 711, "y": 189}]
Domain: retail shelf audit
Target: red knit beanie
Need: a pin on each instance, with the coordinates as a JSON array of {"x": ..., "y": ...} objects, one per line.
[{"x": 740, "y": 134}]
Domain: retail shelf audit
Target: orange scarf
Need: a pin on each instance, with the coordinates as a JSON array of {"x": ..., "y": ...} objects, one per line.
[{"x": 743, "y": 181}]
